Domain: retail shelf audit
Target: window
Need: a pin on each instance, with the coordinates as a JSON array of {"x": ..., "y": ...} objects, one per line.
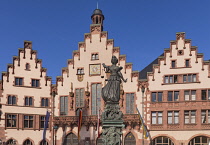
[
  {"x": 44, "y": 142},
  {"x": 42, "y": 122},
  {"x": 199, "y": 140},
  {"x": 35, "y": 83},
  {"x": 28, "y": 101},
  {"x": 173, "y": 117},
  {"x": 80, "y": 71},
  {"x": 27, "y": 66},
  {"x": 28, "y": 121},
  {"x": 27, "y": 142},
  {"x": 11, "y": 100},
  {"x": 79, "y": 98},
  {"x": 173, "y": 64},
  {"x": 96, "y": 98},
  {"x": 11, "y": 120},
  {"x": 189, "y": 116},
  {"x": 162, "y": 140},
  {"x": 189, "y": 78},
  {"x": 205, "y": 94},
  {"x": 173, "y": 96},
  {"x": 94, "y": 56},
  {"x": 187, "y": 63},
  {"x": 130, "y": 103},
  {"x": 171, "y": 79},
  {"x": 11, "y": 142},
  {"x": 157, "y": 96},
  {"x": 18, "y": 81},
  {"x": 157, "y": 117},
  {"x": 190, "y": 95},
  {"x": 205, "y": 116},
  {"x": 63, "y": 105},
  {"x": 44, "y": 102}
]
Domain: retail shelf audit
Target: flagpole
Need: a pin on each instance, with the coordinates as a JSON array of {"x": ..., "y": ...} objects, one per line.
[{"x": 142, "y": 90}]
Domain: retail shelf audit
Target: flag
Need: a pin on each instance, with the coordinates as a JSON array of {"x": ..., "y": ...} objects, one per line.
[
  {"x": 46, "y": 124},
  {"x": 79, "y": 123},
  {"x": 98, "y": 124},
  {"x": 144, "y": 127}
]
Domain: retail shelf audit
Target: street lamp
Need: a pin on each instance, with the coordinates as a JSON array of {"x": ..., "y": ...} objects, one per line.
[{"x": 55, "y": 127}]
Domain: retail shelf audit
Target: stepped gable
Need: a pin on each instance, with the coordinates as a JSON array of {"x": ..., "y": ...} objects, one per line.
[
  {"x": 173, "y": 53},
  {"x": 25, "y": 62}
]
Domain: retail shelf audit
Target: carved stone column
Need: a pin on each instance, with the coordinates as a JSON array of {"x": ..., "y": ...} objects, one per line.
[{"x": 112, "y": 124}]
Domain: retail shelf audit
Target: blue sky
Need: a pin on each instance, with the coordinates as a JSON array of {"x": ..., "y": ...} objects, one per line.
[{"x": 141, "y": 28}]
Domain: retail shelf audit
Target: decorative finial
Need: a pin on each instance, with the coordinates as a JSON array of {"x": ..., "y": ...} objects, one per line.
[{"x": 97, "y": 5}]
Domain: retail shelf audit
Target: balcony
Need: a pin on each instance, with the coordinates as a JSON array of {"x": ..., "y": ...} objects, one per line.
[{"x": 91, "y": 120}]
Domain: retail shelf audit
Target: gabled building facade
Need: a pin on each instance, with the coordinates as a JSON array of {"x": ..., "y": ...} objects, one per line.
[
  {"x": 171, "y": 93},
  {"x": 25, "y": 98},
  {"x": 177, "y": 103}
]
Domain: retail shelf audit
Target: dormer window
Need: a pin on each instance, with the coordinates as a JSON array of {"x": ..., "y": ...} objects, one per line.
[
  {"x": 80, "y": 71},
  {"x": 95, "y": 56},
  {"x": 27, "y": 66}
]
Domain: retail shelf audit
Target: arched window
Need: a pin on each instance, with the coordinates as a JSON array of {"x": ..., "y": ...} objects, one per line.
[
  {"x": 162, "y": 140},
  {"x": 11, "y": 142},
  {"x": 27, "y": 66},
  {"x": 130, "y": 139},
  {"x": 199, "y": 140},
  {"x": 43, "y": 142},
  {"x": 27, "y": 142},
  {"x": 97, "y": 20},
  {"x": 70, "y": 139}
]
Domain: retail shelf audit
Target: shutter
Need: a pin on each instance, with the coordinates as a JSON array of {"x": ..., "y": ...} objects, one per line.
[
  {"x": 81, "y": 98},
  {"x": 93, "y": 99},
  {"x": 77, "y": 98},
  {"x": 98, "y": 97},
  {"x": 66, "y": 105}
]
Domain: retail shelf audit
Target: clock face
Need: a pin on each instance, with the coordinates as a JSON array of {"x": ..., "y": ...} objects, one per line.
[{"x": 95, "y": 69}]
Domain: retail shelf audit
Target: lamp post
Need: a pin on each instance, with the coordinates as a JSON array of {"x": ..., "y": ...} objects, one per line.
[
  {"x": 55, "y": 128},
  {"x": 142, "y": 90}
]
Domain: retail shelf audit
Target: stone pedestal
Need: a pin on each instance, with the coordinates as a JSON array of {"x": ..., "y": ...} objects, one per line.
[{"x": 112, "y": 124}]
